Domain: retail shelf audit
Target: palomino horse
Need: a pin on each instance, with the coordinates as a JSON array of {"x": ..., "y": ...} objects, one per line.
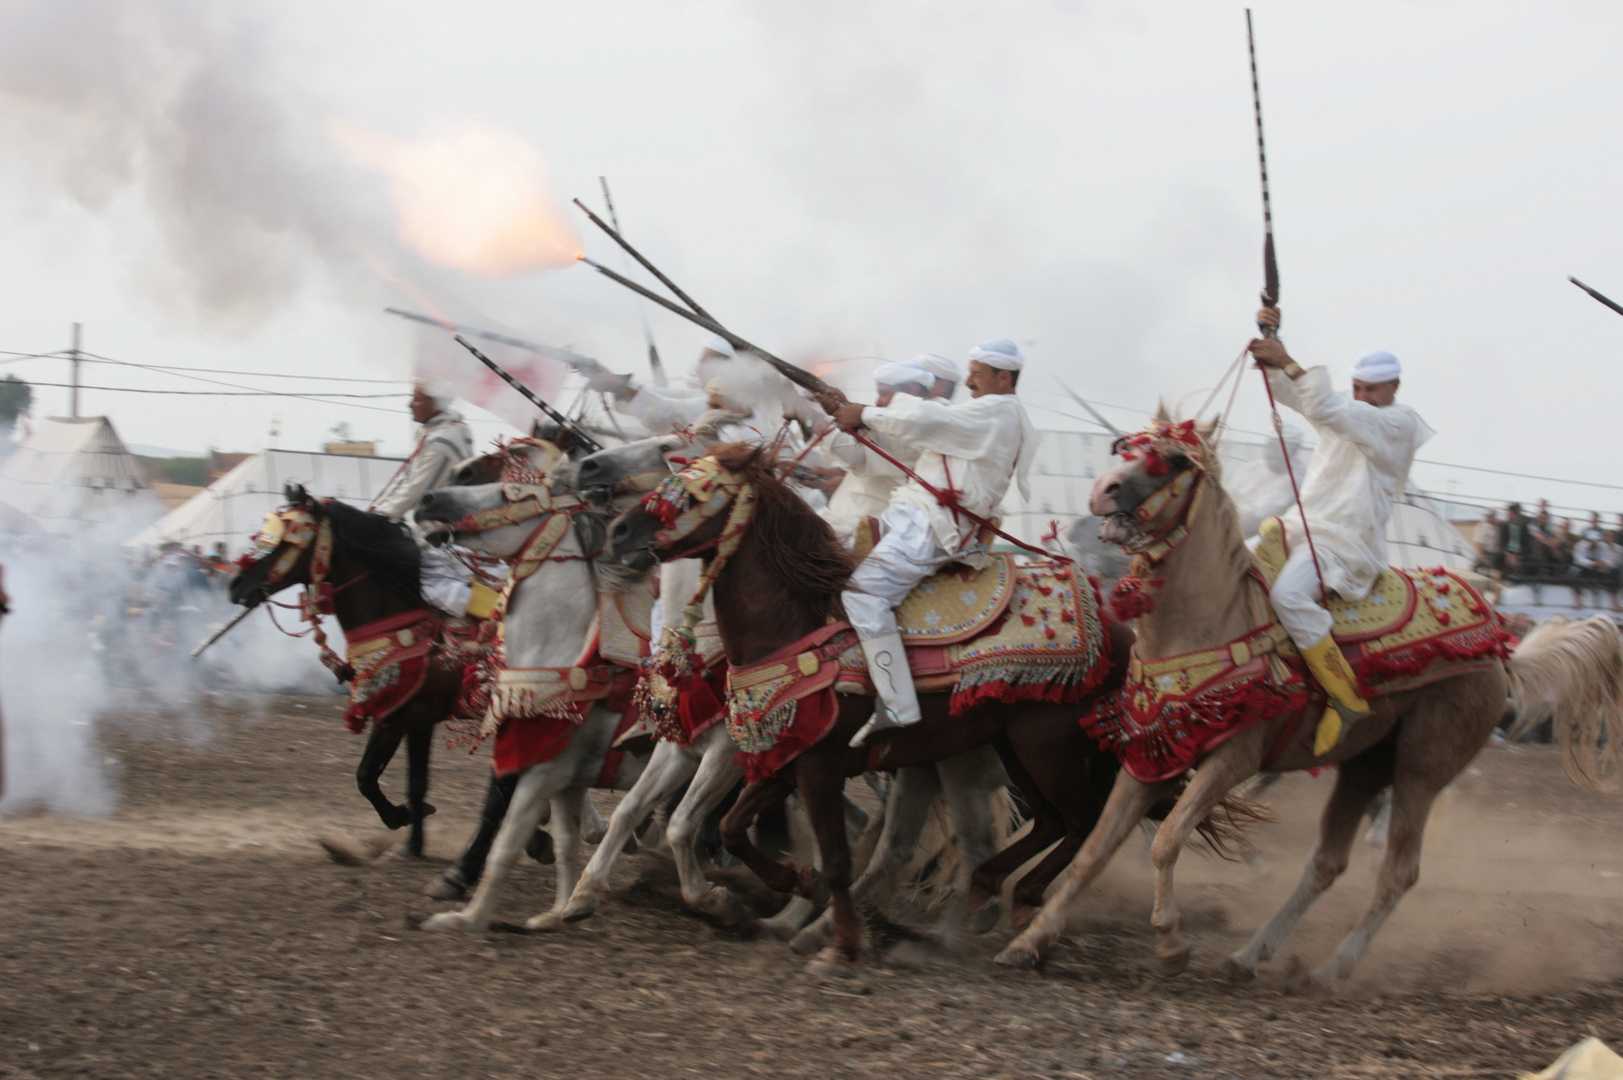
[
  {"x": 707, "y": 763},
  {"x": 778, "y": 584},
  {"x": 368, "y": 568},
  {"x": 1166, "y": 502}
]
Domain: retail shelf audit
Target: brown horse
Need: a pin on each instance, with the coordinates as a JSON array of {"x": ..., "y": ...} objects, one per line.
[
  {"x": 1416, "y": 740},
  {"x": 783, "y": 582}
]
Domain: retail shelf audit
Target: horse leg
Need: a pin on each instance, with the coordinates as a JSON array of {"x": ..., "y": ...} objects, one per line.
[
  {"x": 1218, "y": 773},
  {"x": 1357, "y": 782},
  {"x": 380, "y": 748},
  {"x": 567, "y": 811},
  {"x": 668, "y": 768},
  {"x": 1047, "y": 828},
  {"x": 1129, "y": 801},
  {"x": 969, "y": 784},
  {"x": 906, "y": 810},
  {"x": 715, "y": 777},
  {"x": 419, "y": 747},
  {"x": 821, "y": 781},
  {"x": 755, "y": 799},
  {"x": 461, "y": 875},
  {"x": 530, "y": 797}
]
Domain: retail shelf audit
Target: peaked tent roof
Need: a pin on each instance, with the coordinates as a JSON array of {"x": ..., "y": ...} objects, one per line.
[
  {"x": 76, "y": 476},
  {"x": 231, "y": 508}
]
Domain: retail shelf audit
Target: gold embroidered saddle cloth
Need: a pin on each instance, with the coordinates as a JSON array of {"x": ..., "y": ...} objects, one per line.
[
  {"x": 1008, "y": 632},
  {"x": 1415, "y": 626}
]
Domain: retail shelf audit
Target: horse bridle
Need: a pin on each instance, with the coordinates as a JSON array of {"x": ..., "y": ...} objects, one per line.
[
  {"x": 683, "y": 502},
  {"x": 1160, "y": 444}
]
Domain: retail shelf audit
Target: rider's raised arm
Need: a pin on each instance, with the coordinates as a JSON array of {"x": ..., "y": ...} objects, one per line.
[{"x": 1379, "y": 432}]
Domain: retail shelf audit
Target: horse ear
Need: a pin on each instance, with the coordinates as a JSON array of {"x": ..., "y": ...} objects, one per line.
[
  {"x": 1162, "y": 413},
  {"x": 295, "y": 494},
  {"x": 1206, "y": 429}
]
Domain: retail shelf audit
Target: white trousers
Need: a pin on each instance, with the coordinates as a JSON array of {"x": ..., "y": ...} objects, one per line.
[
  {"x": 906, "y": 554},
  {"x": 447, "y": 583},
  {"x": 1295, "y": 597}
]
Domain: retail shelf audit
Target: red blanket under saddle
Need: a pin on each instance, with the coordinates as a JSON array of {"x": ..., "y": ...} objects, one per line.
[{"x": 390, "y": 659}]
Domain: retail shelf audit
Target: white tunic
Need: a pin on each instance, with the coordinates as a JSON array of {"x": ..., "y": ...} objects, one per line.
[
  {"x": 869, "y": 479},
  {"x": 666, "y": 409},
  {"x": 1359, "y": 469},
  {"x": 974, "y": 447},
  {"x": 445, "y": 441}
]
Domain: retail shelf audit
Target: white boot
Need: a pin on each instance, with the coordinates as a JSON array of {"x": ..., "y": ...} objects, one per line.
[{"x": 897, "y": 703}]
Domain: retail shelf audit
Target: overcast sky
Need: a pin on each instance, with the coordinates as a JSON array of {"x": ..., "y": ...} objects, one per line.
[{"x": 846, "y": 179}]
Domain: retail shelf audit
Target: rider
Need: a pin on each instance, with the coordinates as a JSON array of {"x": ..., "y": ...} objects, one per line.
[
  {"x": 868, "y": 478},
  {"x": 666, "y": 408},
  {"x": 445, "y": 441},
  {"x": 1361, "y": 466},
  {"x": 971, "y": 450},
  {"x": 945, "y": 372}
]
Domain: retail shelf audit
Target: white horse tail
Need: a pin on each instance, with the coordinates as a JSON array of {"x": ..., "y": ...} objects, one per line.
[{"x": 1572, "y": 673}]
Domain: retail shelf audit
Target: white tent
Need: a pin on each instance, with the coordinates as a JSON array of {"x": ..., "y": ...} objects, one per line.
[
  {"x": 76, "y": 476},
  {"x": 230, "y": 509}
]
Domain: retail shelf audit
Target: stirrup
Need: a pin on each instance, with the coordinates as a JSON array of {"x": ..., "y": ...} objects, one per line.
[{"x": 882, "y": 720}]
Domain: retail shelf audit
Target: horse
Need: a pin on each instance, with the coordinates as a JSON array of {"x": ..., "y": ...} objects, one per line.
[
  {"x": 707, "y": 765},
  {"x": 521, "y": 517},
  {"x": 367, "y": 569},
  {"x": 1166, "y": 501},
  {"x": 777, "y": 575}
]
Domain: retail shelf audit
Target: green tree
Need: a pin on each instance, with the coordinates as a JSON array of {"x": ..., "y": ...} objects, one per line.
[{"x": 16, "y": 397}]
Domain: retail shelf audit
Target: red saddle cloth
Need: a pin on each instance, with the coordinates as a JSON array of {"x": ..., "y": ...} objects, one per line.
[
  {"x": 1417, "y": 627},
  {"x": 390, "y": 661}
]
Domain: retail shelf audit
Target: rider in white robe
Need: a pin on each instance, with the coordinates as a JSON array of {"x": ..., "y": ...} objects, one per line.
[
  {"x": 869, "y": 479},
  {"x": 974, "y": 449},
  {"x": 1360, "y": 468},
  {"x": 445, "y": 441}
]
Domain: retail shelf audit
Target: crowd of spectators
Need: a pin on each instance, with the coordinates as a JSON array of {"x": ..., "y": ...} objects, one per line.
[{"x": 1541, "y": 549}]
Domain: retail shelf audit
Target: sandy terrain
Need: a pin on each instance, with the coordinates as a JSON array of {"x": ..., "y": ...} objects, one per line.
[{"x": 201, "y": 933}]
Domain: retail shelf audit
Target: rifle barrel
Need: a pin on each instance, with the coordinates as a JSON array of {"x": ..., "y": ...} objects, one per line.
[
  {"x": 1270, "y": 287},
  {"x": 656, "y": 367},
  {"x": 221, "y": 632},
  {"x": 650, "y": 267},
  {"x": 566, "y": 356},
  {"x": 585, "y": 438},
  {"x": 1598, "y": 296},
  {"x": 797, "y": 375}
]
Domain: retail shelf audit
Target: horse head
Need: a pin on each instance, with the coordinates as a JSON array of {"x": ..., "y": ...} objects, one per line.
[
  {"x": 492, "y": 497},
  {"x": 281, "y": 550},
  {"x": 1150, "y": 493},
  {"x": 638, "y": 467},
  {"x": 691, "y": 512}
]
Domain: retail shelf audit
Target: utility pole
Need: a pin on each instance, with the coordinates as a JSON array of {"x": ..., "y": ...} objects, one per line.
[{"x": 73, "y": 354}]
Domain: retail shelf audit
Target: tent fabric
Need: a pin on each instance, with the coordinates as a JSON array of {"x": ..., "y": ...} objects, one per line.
[
  {"x": 76, "y": 476},
  {"x": 230, "y": 509}
]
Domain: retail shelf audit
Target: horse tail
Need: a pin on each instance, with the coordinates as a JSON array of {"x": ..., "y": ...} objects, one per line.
[
  {"x": 1572, "y": 674},
  {"x": 1227, "y": 828}
]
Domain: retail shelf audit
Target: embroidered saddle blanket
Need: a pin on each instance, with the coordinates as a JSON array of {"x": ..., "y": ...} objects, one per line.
[
  {"x": 387, "y": 661},
  {"x": 1416, "y": 627}
]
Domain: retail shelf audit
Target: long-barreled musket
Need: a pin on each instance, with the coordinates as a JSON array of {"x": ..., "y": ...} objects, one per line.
[
  {"x": 221, "y": 632},
  {"x": 581, "y": 434},
  {"x": 1609, "y": 303},
  {"x": 1270, "y": 268},
  {"x": 1097, "y": 418},
  {"x": 575, "y": 360},
  {"x": 656, "y": 367}
]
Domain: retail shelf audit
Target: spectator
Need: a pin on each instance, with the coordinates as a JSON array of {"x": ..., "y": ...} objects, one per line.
[
  {"x": 1515, "y": 542},
  {"x": 1486, "y": 541},
  {"x": 1612, "y": 553},
  {"x": 1588, "y": 570}
]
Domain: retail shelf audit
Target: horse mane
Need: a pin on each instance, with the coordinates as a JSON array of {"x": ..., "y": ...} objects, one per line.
[
  {"x": 798, "y": 549},
  {"x": 386, "y": 547}
]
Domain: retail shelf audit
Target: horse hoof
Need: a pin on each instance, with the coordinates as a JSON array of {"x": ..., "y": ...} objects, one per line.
[
  {"x": 540, "y": 848},
  {"x": 579, "y": 907},
  {"x": 832, "y": 963},
  {"x": 447, "y": 887},
  {"x": 810, "y": 940},
  {"x": 549, "y": 923},
  {"x": 447, "y": 922},
  {"x": 1019, "y": 957},
  {"x": 1173, "y": 962},
  {"x": 1235, "y": 970},
  {"x": 983, "y": 920},
  {"x": 398, "y": 817},
  {"x": 429, "y": 808},
  {"x": 724, "y": 907}
]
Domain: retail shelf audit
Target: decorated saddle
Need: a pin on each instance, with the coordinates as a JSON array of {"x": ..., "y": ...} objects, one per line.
[{"x": 1414, "y": 628}]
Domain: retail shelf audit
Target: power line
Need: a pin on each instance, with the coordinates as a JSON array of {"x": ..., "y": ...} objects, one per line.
[
  {"x": 251, "y": 374},
  {"x": 221, "y": 393}
]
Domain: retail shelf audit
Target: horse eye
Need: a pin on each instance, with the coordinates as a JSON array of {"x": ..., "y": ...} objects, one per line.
[{"x": 1178, "y": 461}]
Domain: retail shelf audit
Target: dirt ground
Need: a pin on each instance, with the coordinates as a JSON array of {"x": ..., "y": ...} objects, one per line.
[{"x": 201, "y": 933}]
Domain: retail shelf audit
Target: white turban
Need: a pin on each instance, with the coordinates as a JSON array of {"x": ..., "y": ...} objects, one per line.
[
  {"x": 1377, "y": 367},
  {"x": 939, "y": 366},
  {"x": 441, "y": 391},
  {"x": 903, "y": 373},
  {"x": 1000, "y": 353},
  {"x": 719, "y": 345}
]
